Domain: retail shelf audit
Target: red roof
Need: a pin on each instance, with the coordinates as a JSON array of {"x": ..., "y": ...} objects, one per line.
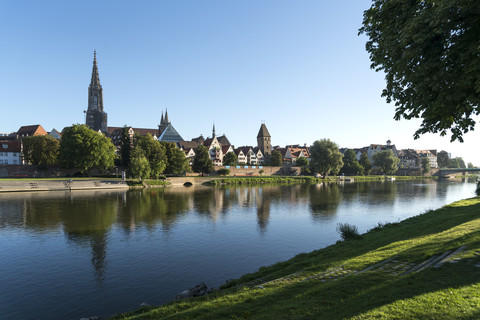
[
  {"x": 32, "y": 130},
  {"x": 11, "y": 146}
]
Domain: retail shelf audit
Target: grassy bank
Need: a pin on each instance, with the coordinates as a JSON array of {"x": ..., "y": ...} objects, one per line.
[
  {"x": 301, "y": 179},
  {"x": 329, "y": 283}
]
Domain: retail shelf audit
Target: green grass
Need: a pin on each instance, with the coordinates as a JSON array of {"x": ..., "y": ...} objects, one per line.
[{"x": 452, "y": 291}]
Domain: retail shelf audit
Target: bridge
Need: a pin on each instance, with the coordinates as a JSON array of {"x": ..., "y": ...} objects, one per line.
[{"x": 449, "y": 172}]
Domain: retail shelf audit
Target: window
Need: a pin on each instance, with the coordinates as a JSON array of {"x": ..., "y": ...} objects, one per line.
[{"x": 4, "y": 146}]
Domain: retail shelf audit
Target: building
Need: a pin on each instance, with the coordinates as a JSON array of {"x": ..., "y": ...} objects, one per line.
[
  {"x": 431, "y": 155},
  {"x": 32, "y": 130},
  {"x": 96, "y": 117},
  {"x": 11, "y": 152},
  {"x": 166, "y": 131},
  {"x": 264, "y": 141}
]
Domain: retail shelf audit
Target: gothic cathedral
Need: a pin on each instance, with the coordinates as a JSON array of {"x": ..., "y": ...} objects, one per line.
[{"x": 96, "y": 118}]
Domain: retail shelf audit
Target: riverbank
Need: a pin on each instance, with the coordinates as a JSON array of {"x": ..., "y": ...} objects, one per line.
[
  {"x": 56, "y": 184},
  {"x": 393, "y": 271}
]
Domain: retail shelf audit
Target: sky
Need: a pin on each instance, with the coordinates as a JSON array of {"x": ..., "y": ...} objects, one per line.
[{"x": 300, "y": 67}]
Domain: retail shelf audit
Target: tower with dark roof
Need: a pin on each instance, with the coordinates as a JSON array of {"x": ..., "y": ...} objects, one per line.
[
  {"x": 264, "y": 141},
  {"x": 96, "y": 118}
]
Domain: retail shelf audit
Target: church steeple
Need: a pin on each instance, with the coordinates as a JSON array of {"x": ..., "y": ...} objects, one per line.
[
  {"x": 213, "y": 131},
  {"x": 96, "y": 117},
  {"x": 166, "y": 116},
  {"x": 161, "y": 120}
]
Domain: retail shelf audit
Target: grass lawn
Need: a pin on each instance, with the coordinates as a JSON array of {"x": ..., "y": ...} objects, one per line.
[{"x": 328, "y": 284}]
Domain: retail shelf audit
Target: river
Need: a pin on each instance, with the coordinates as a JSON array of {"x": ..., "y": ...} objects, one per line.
[{"x": 68, "y": 255}]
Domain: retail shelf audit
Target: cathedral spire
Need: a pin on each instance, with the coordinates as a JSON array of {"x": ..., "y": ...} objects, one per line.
[
  {"x": 213, "y": 131},
  {"x": 95, "y": 77},
  {"x": 166, "y": 116},
  {"x": 161, "y": 120}
]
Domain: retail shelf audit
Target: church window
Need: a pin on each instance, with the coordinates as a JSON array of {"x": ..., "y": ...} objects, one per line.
[{"x": 95, "y": 102}]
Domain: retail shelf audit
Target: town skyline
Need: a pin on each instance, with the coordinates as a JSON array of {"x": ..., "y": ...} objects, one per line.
[{"x": 302, "y": 70}]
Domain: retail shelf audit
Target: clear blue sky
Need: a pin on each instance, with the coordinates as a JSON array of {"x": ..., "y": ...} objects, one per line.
[{"x": 297, "y": 65}]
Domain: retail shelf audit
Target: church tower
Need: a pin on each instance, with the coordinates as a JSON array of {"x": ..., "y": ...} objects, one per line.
[
  {"x": 264, "y": 141},
  {"x": 96, "y": 118}
]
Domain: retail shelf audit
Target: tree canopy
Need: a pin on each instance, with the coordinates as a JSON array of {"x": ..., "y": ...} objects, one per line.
[
  {"x": 202, "y": 162},
  {"x": 351, "y": 167},
  {"x": 41, "y": 151},
  {"x": 230, "y": 159},
  {"x": 177, "y": 163},
  {"x": 301, "y": 162},
  {"x": 429, "y": 52},
  {"x": 425, "y": 165},
  {"x": 443, "y": 160},
  {"x": 154, "y": 152},
  {"x": 325, "y": 157},
  {"x": 365, "y": 163},
  {"x": 386, "y": 161},
  {"x": 85, "y": 149},
  {"x": 276, "y": 159},
  {"x": 139, "y": 164}
]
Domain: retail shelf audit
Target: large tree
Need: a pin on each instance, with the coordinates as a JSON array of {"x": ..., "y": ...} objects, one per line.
[
  {"x": 139, "y": 164},
  {"x": 202, "y": 162},
  {"x": 351, "y": 167},
  {"x": 154, "y": 152},
  {"x": 443, "y": 159},
  {"x": 276, "y": 159},
  {"x": 365, "y": 163},
  {"x": 41, "y": 151},
  {"x": 429, "y": 52},
  {"x": 425, "y": 165},
  {"x": 325, "y": 157},
  {"x": 125, "y": 147},
  {"x": 177, "y": 163},
  {"x": 85, "y": 149},
  {"x": 230, "y": 159},
  {"x": 386, "y": 161}
]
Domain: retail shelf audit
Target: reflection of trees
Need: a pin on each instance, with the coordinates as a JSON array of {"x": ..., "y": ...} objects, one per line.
[
  {"x": 152, "y": 206},
  {"x": 324, "y": 200}
]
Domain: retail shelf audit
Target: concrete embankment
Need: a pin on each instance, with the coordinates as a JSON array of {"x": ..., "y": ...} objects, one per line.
[{"x": 59, "y": 185}]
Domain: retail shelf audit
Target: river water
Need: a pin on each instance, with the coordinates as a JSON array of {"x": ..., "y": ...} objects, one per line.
[{"x": 84, "y": 253}]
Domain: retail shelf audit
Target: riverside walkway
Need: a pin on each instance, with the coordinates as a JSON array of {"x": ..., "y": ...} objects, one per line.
[{"x": 59, "y": 185}]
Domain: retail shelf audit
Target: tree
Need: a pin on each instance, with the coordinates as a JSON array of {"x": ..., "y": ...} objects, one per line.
[
  {"x": 276, "y": 158},
  {"x": 425, "y": 165},
  {"x": 351, "y": 167},
  {"x": 177, "y": 163},
  {"x": 429, "y": 53},
  {"x": 202, "y": 162},
  {"x": 443, "y": 159},
  {"x": 154, "y": 152},
  {"x": 230, "y": 159},
  {"x": 386, "y": 161},
  {"x": 41, "y": 151},
  {"x": 325, "y": 157},
  {"x": 302, "y": 162},
  {"x": 85, "y": 149},
  {"x": 139, "y": 164},
  {"x": 125, "y": 147},
  {"x": 470, "y": 165},
  {"x": 365, "y": 163}
]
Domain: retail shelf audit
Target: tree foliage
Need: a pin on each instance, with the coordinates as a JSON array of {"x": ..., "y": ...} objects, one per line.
[
  {"x": 85, "y": 149},
  {"x": 202, "y": 162},
  {"x": 425, "y": 165},
  {"x": 154, "y": 152},
  {"x": 230, "y": 159},
  {"x": 325, "y": 157},
  {"x": 351, "y": 167},
  {"x": 429, "y": 52},
  {"x": 365, "y": 163},
  {"x": 41, "y": 151},
  {"x": 443, "y": 160},
  {"x": 177, "y": 162},
  {"x": 386, "y": 161},
  {"x": 139, "y": 164},
  {"x": 457, "y": 163},
  {"x": 125, "y": 147},
  {"x": 301, "y": 162},
  {"x": 276, "y": 159}
]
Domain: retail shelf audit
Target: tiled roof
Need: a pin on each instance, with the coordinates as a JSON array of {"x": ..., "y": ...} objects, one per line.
[
  {"x": 186, "y": 145},
  {"x": 11, "y": 146},
  {"x": 263, "y": 132},
  {"x": 36, "y": 129}
]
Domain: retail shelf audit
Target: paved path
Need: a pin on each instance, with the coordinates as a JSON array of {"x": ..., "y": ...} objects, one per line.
[{"x": 59, "y": 185}]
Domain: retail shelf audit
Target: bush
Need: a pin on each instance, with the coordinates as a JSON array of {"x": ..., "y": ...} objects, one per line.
[
  {"x": 347, "y": 231},
  {"x": 478, "y": 188},
  {"x": 223, "y": 172}
]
